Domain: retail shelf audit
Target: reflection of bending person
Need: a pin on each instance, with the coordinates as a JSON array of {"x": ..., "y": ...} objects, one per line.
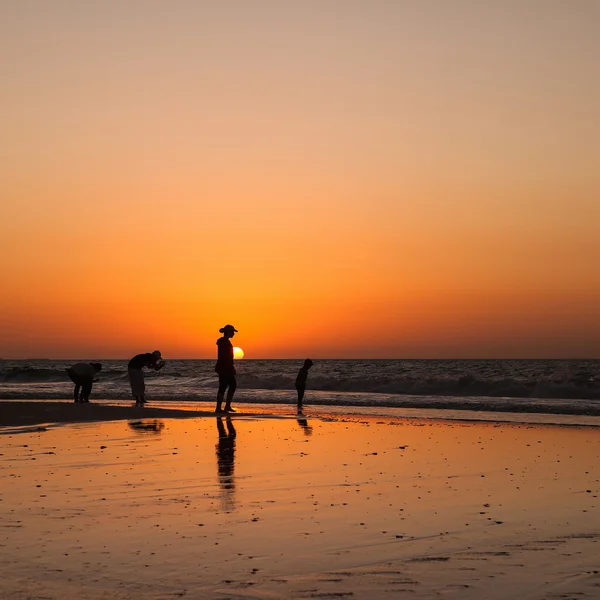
[
  {"x": 147, "y": 426},
  {"x": 225, "y": 461}
]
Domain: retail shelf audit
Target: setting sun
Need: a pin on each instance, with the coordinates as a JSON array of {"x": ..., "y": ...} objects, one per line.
[{"x": 238, "y": 353}]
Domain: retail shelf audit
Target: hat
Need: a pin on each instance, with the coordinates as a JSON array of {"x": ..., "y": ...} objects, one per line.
[
  {"x": 157, "y": 354},
  {"x": 222, "y": 330}
]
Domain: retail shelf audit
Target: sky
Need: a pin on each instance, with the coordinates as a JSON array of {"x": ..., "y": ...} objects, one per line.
[{"x": 336, "y": 178}]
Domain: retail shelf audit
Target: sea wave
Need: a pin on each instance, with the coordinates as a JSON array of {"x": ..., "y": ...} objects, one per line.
[
  {"x": 517, "y": 386},
  {"x": 465, "y": 385},
  {"x": 504, "y": 388},
  {"x": 159, "y": 392},
  {"x": 26, "y": 374}
]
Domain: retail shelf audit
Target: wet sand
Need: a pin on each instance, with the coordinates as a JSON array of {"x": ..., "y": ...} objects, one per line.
[
  {"x": 338, "y": 507},
  {"x": 18, "y": 413}
]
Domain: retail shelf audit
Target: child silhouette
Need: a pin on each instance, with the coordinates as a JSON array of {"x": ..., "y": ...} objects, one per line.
[{"x": 301, "y": 382}]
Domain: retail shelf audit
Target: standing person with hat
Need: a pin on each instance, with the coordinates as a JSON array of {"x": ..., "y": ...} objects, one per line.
[
  {"x": 225, "y": 368},
  {"x": 150, "y": 360}
]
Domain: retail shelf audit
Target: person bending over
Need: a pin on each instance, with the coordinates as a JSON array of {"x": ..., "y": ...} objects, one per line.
[
  {"x": 83, "y": 376},
  {"x": 150, "y": 360}
]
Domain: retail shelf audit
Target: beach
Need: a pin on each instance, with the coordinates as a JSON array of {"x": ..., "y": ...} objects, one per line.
[
  {"x": 178, "y": 503},
  {"x": 300, "y": 300}
]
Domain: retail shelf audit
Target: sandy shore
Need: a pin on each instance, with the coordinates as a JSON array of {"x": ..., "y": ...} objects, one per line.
[{"x": 337, "y": 507}]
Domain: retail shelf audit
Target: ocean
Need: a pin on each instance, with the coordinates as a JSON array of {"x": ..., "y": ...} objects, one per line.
[{"x": 537, "y": 386}]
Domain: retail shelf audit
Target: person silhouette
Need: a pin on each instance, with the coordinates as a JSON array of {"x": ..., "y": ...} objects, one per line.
[
  {"x": 301, "y": 382},
  {"x": 225, "y": 369},
  {"x": 225, "y": 449},
  {"x": 150, "y": 360},
  {"x": 83, "y": 376}
]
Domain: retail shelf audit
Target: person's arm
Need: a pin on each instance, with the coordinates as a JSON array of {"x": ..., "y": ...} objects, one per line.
[
  {"x": 95, "y": 375},
  {"x": 154, "y": 363},
  {"x": 230, "y": 357}
]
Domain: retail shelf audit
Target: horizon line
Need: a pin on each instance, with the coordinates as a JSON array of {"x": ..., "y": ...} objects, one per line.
[{"x": 327, "y": 358}]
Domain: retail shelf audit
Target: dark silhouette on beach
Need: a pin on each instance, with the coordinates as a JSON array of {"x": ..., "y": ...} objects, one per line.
[
  {"x": 83, "y": 376},
  {"x": 305, "y": 426},
  {"x": 147, "y": 426},
  {"x": 225, "y": 369},
  {"x": 150, "y": 360},
  {"x": 225, "y": 449},
  {"x": 301, "y": 382}
]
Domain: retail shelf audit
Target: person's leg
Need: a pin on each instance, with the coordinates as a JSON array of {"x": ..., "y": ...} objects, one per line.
[
  {"x": 136, "y": 378},
  {"x": 221, "y": 392},
  {"x": 230, "y": 392},
  {"x": 75, "y": 379},
  {"x": 131, "y": 374},
  {"x": 141, "y": 399},
  {"x": 86, "y": 390},
  {"x": 300, "y": 398},
  {"x": 143, "y": 386}
]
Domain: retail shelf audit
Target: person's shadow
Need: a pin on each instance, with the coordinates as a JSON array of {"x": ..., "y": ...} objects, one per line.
[
  {"x": 225, "y": 449},
  {"x": 147, "y": 426},
  {"x": 304, "y": 424}
]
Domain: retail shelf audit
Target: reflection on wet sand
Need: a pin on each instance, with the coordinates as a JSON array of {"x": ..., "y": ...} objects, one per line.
[
  {"x": 225, "y": 449},
  {"x": 305, "y": 426},
  {"x": 362, "y": 509},
  {"x": 147, "y": 426}
]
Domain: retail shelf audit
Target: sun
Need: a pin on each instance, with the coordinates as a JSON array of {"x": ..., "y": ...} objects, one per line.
[{"x": 238, "y": 353}]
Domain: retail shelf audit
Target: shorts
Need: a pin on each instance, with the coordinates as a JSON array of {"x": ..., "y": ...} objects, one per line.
[
  {"x": 84, "y": 382},
  {"x": 136, "y": 378},
  {"x": 78, "y": 379}
]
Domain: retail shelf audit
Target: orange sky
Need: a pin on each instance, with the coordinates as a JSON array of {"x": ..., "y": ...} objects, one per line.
[{"x": 335, "y": 179}]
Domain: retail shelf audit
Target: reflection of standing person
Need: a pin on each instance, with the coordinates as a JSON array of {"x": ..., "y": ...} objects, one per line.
[
  {"x": 225, "y": 460},
  {"x": 301, "y": 382},
  {"x": 304, "y": 424},
  {"x": 83, "y": 376},
  {"x": 136, "y": 375},
  {"x": 225, "y": 368}
]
